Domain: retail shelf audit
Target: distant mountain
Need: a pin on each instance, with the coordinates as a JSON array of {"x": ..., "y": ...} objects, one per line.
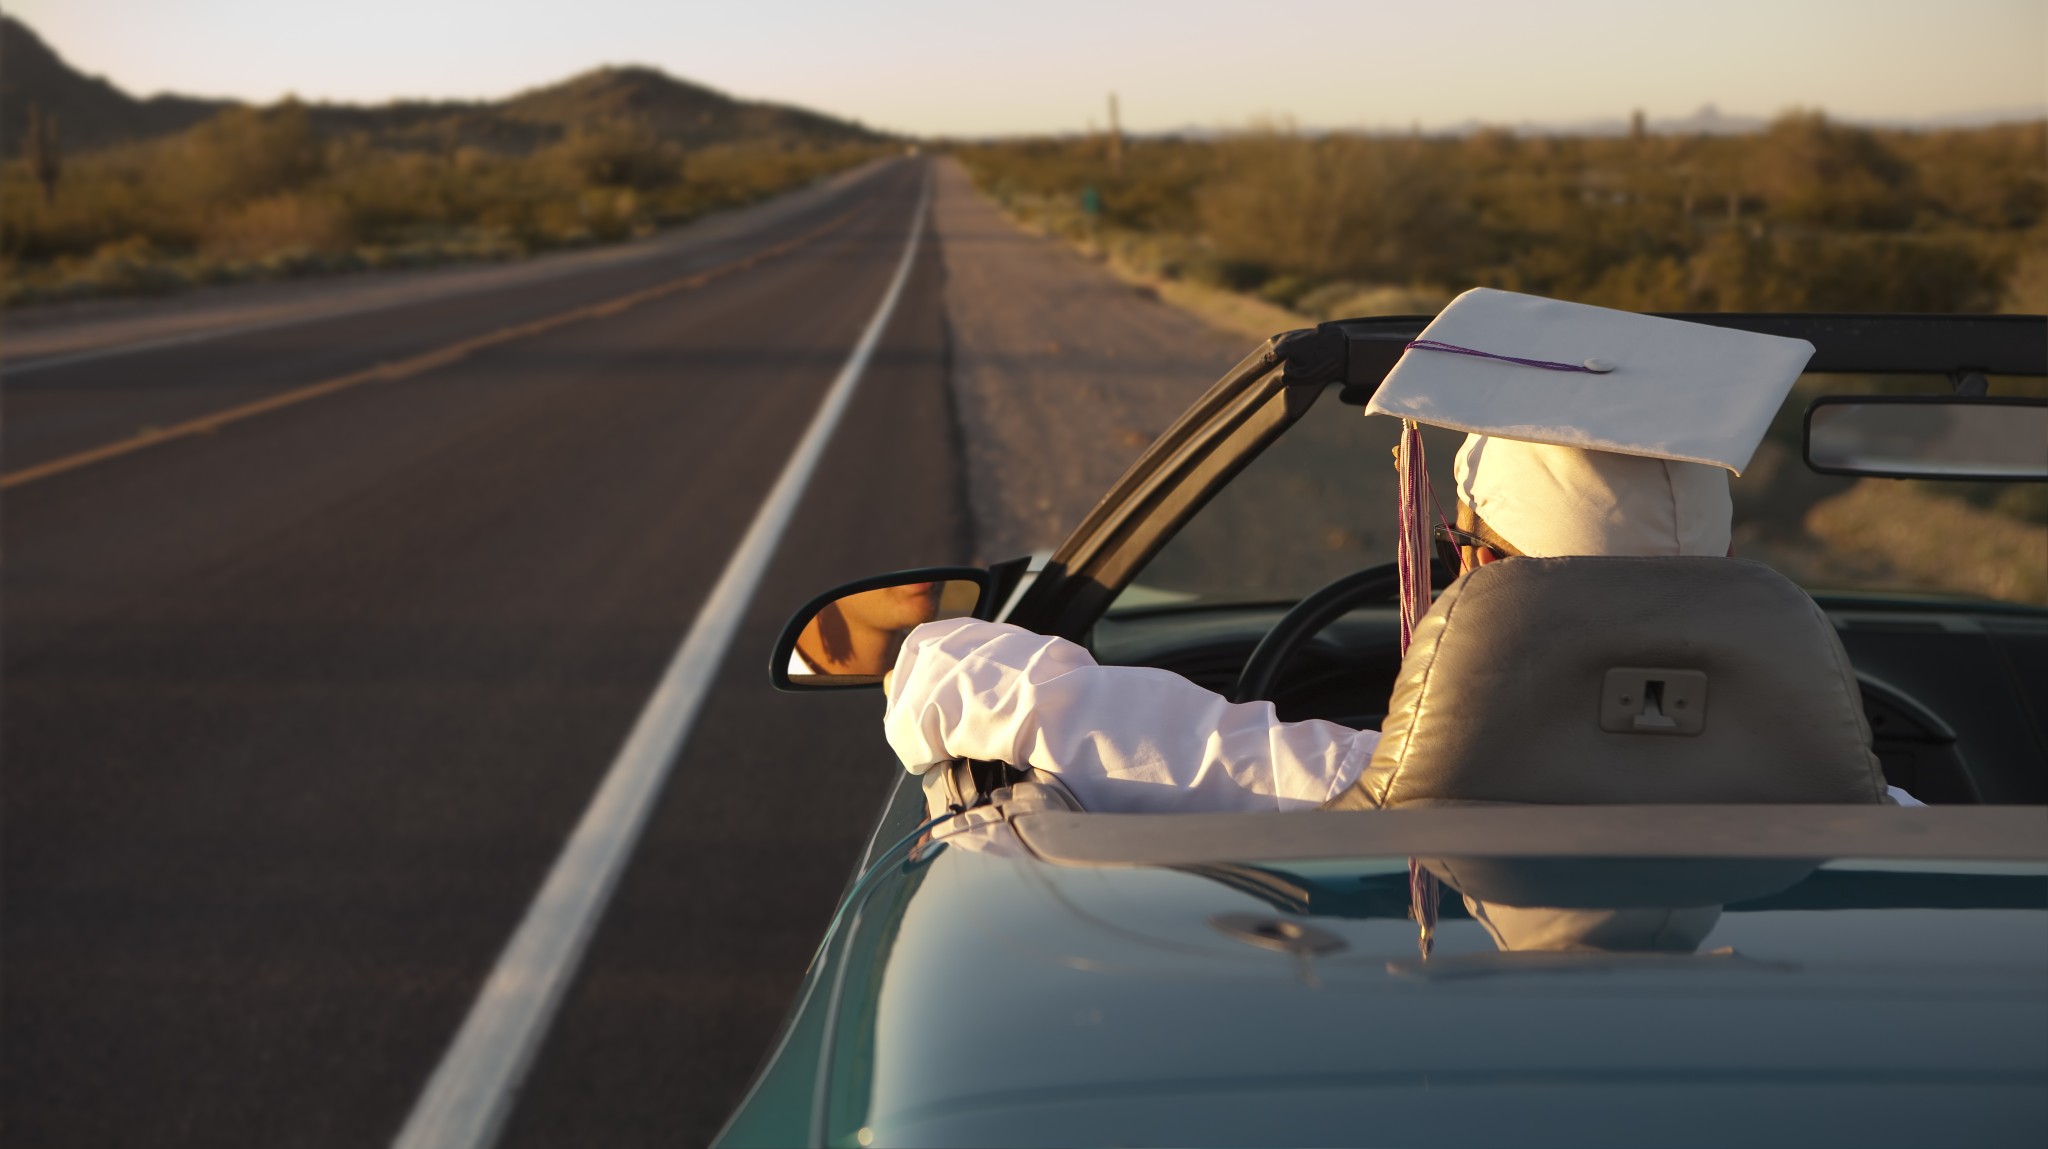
[
  {"x": 1983, "y": 119},
  {"x": 1708, "y": 121},
  {"x": 92, "y": 113},
  {"x": 689, "y": 114},
  {"x": 1711, "y": 121},
  {"x": 674, "y": 109}
]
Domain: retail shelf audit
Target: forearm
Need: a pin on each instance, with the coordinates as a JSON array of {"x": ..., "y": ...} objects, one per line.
[{"x": 1122, "y": 738}]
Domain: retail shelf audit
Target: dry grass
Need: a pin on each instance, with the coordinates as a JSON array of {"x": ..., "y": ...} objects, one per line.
[
  {"x": 259, "y": 194},
  {"x": 1809, "y": 215},
  {"x": 1927, "y": 541},
  {"x": 282, "y": 224}
]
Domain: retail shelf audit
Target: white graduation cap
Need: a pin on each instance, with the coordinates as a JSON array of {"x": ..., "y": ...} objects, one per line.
[
  {"x": 1545, "y": 371},
  {"x": 1593, "y": 431}
]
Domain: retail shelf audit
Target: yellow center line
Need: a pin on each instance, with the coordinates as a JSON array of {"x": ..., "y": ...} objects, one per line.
[{"x": 408, "y": 367}]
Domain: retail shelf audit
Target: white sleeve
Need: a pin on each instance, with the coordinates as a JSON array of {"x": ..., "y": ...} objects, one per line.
[{"x": 1122, "y": 738}]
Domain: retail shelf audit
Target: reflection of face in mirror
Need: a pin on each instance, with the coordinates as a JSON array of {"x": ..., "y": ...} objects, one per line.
[{"x": 860, "y": 633}]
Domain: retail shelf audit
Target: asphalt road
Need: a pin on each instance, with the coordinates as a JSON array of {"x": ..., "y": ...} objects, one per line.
[{"x": 300, "y": 707}]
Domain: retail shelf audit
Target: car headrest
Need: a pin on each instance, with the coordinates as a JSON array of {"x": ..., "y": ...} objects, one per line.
[{"x": 1596, "y": 680}]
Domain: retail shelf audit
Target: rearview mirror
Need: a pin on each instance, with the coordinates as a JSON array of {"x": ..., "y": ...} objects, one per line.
[
  {"x": 849, "y": 635},
  {"x": 1928, "y": 437}
]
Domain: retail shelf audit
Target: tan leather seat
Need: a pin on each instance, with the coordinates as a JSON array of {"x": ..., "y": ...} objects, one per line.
[{"x": 1574, "y": 680}]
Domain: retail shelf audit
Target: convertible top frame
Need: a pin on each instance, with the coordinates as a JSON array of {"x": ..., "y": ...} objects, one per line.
[
  {"x": 1953, "y": 345},
  {"x": 1257, "y": 400}
]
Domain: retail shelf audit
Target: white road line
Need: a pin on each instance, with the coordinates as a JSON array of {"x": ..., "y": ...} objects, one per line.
[{"x": 466, "y": 1102}]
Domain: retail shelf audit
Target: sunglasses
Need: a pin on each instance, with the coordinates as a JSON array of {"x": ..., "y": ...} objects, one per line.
[{"x": 1450, "y": 542}]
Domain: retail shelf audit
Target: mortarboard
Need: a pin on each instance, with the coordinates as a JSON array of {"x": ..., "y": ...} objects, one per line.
[
  {"x": 1591, "y": 431},
  {"x": 1538, "y": 370}
]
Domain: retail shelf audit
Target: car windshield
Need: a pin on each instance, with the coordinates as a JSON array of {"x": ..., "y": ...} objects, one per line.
[{"x": 1320, "y": 503}]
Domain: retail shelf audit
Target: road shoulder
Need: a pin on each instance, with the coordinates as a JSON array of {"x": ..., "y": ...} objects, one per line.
[{"x": 1062, "y": 372}]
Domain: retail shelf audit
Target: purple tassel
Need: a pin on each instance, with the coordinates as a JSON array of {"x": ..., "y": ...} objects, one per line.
[
  {"x": 1422, "y": 898},
  {"x": 1412, "y": 558},
  {"x": 1589, "y": 367},
  {"x": 1411, "y": 550}
]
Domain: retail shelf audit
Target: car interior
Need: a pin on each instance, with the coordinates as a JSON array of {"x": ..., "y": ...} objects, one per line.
[
  {"x": 1271, "y": 590},
  {"x": 1983, "y": 744}
]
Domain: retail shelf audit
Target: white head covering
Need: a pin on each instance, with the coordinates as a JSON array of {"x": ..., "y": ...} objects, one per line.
[
  {"x": 1592, "y": 431},
  {"x": 1548, "y": 500}
]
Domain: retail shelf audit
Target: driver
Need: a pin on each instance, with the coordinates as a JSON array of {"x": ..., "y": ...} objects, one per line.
[
  {"x": 860, "y": 633},
  {"x": 1137, "y": 739}
]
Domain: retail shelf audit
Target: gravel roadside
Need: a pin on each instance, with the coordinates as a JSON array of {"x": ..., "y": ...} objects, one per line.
[{"x": 1062, "y": 372}]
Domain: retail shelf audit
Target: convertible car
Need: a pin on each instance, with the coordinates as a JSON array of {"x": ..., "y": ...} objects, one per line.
[{"x": 1531, "y": 953}]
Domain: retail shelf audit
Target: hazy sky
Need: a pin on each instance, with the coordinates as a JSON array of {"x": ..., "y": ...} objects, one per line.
[{"x": 966, "y": 68}]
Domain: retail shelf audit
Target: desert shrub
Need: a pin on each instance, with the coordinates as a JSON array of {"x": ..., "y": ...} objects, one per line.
[
  {"x": 1345, "y": 300},
  {"x": 2027, "y": 502},
  {"x": 1284, "y": 290},
  {"x": 1993, "y": 178},
  {"x": 386, "y": 191},
  {"x": 1336, "y": 207},
  {"x": 1209, "y": 269},
  {"x": 261, "y": 193},
  {"x": 248, "y": 153},
  {"x": 2026, "y": 288},
  {"x": 104, "y": 199},
  {"x": 131, "y": 266},
  {"x": 1807, "y": 215},
  {"x": 618, "y": 154},
  {"x": 282, "y": 224},
  {"x": 1806, "y": 271},
  {"x": 1932, "y": 539},
  {"x": 1815, "y": 172}
]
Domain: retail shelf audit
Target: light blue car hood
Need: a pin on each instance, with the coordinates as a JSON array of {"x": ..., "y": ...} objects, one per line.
[{"x": 1014, "y": 1002}]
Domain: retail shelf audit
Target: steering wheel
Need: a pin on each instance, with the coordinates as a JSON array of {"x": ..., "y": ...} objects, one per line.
[{"x": 1308, "y": 617}]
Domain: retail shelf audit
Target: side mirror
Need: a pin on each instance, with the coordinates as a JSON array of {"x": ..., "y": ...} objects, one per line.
[
  {"x": 849, "y": 635},
  {"x": 1929, "y": 437}
]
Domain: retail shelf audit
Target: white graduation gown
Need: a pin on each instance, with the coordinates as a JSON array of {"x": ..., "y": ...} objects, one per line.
[{"x": 1123, "y": 739}]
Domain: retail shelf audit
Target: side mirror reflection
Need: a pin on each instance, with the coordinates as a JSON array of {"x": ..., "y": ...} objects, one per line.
[
  {"x": 849, "y": 636},
  {"x": 1928, "y": 437}
]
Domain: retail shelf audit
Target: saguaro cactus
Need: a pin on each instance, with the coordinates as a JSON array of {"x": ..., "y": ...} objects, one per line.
[
  {"x": 1116, "y": 139},
  {"x": 45, "y": 151}
]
